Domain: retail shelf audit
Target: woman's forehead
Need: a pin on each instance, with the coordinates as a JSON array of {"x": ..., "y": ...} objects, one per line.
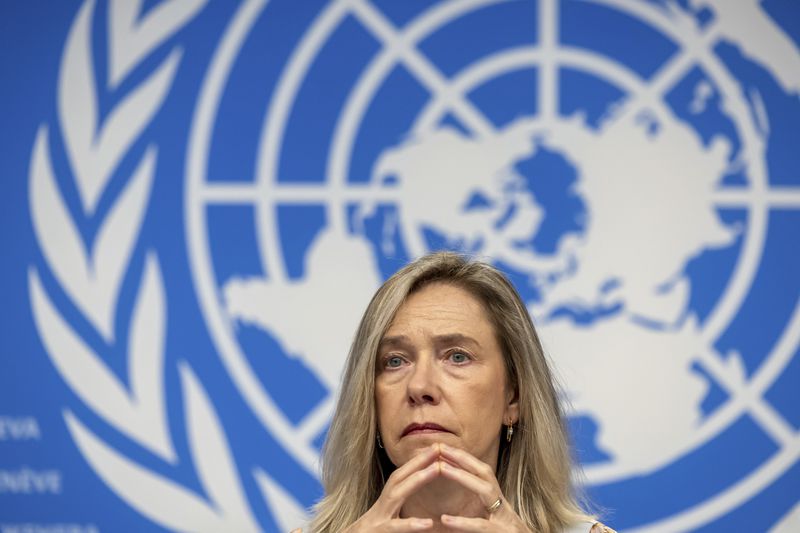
[{"x": 440, "y": 310}]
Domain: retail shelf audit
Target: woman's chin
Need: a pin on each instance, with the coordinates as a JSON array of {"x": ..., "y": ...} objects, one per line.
[
  {"x": 411, "y": 445},
  {"x": 427, "y": 437}
]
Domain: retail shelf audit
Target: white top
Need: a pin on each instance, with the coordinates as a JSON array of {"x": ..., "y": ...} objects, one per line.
[{"x": 581, "y": 527}]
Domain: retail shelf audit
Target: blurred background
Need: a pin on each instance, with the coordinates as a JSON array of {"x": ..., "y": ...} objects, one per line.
[{"x": 199, "y": 198}]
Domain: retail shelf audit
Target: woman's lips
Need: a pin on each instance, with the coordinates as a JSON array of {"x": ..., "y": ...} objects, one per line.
[{"x": 426, "y": 427}]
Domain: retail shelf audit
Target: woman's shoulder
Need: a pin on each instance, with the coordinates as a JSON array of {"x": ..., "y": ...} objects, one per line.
[
  {"x": 589, "y": 526},
  {"x": 580, "y": 527}
]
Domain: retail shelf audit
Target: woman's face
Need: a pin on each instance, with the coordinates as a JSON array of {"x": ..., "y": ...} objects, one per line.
[{"x": 441, "y": 377}]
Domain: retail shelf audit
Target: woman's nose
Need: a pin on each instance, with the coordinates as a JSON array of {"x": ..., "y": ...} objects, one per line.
[{"x": 423, "y": 386}]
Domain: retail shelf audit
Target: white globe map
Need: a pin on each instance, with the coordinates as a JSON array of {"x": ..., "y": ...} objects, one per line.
[{"x": 644, "y": 262}]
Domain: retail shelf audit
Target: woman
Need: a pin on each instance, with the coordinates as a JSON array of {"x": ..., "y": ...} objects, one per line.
[{"x": 447, "y": 418}]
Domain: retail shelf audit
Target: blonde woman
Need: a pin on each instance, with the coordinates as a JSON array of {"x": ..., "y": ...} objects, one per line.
[{"x": 448, "y": 419}]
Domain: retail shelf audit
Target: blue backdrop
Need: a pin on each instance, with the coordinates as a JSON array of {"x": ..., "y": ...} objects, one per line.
[{"x": 200, "y": 197}]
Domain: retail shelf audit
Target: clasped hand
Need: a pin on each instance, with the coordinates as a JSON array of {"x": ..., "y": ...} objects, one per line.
[{"x": 440, "y": 460}]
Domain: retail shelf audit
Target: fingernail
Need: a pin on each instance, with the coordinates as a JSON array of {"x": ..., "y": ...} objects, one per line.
[{"x": 423, "y": 523}]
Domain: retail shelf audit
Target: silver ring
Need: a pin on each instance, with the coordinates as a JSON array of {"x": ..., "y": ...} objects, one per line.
[{"x": 495, "y": 506}]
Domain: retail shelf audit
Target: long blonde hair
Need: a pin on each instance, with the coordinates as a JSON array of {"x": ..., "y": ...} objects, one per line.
[{"x": 534, "y": 470}]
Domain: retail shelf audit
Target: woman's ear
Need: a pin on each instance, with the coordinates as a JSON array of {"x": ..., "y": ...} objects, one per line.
[{"x": 512, "y": 407}]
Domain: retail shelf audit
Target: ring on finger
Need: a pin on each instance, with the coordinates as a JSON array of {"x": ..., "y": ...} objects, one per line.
[{"x": 495, "y": 506}]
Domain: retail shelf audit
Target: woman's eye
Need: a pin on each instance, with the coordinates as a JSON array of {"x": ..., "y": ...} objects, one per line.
[
  {"x": 459, "y": 357},
  {"x": 394, "y": 362}
]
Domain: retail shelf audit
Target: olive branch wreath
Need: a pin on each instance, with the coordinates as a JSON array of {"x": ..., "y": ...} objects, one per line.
[{"x": 91, "y": 277}]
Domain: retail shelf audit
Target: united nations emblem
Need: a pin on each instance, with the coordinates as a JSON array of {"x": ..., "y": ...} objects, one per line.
[{"x": 626, "y": 163}]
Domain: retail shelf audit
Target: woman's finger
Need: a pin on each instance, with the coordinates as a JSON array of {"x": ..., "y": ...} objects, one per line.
[
  {"x": 487, "y": 491},
  {"x": 396, "y": 495},
  {"x": 461, "y": 523},
  {"x": 403, "y": 525},
  {"x": 416, "y": 463},
  {"x": 403, "y": 482},
  {"x": 467, "y": 462}
]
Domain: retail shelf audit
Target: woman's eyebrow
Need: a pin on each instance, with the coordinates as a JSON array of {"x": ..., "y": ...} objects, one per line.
[
  {"x": 403, "y": 341},
  {"x": 456, "y": 338},
  {"x": 394, "y": 341}
]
